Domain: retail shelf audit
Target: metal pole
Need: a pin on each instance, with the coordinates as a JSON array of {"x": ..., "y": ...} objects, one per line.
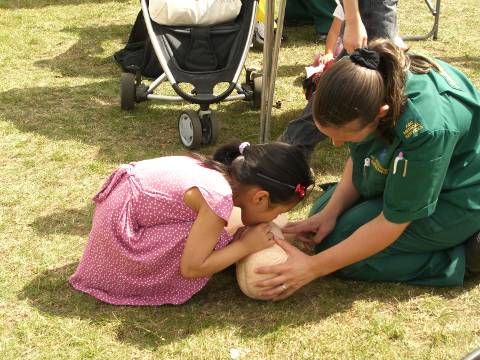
[
  {"x": 267, "y": 65},
  {"x": 436, "y": 19},
  {"x": 274, "y": 68}
]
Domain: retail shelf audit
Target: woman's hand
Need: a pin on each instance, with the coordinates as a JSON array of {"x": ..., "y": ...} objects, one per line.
[
  {"x": 296, "y": 272},
  {"x": 312, "y": 230},
  {"x": 256, "y": 238}
]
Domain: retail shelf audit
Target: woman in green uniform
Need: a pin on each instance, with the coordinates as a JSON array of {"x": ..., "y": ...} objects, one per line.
[{"x": 409, "y": 196}]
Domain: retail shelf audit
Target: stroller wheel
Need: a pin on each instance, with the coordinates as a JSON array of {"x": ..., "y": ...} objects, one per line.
[
  {"x": 257, "y": 92},
  {"x": 190, "y": 129},
  {"x": 210, "y": 129},
  {"x": 127, "y": 91}
]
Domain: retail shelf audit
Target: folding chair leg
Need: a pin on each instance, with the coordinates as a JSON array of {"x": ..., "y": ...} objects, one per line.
[{"x": 436, "y": 19}]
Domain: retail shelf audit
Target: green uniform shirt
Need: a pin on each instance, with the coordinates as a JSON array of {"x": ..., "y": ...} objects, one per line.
[{"x": 435, "y": 153}]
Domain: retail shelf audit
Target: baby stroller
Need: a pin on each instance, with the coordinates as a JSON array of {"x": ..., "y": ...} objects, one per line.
[{"x": 202, "y": 56}]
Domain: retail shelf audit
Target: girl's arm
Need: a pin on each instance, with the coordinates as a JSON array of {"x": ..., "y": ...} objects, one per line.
[
  {"x": 199, "y": 258},
  {"x": 332, "y": 37},
  {"x": 367, "y": 240}
]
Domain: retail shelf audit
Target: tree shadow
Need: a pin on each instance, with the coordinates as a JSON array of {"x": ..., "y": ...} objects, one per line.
[
  {"x": 299, "y": 36},
  {"x": 69, "y": 221},
  {"x": 91, "y": 114},
  {"x": 36, "y": 4},
  {"x": 219, "y": 305},
  {"x": 82, "y": 58},
  {"x": 293, "y": 70}
]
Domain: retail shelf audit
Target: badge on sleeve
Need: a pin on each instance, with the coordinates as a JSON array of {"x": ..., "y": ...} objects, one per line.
[{"x": 412, "y": 128}]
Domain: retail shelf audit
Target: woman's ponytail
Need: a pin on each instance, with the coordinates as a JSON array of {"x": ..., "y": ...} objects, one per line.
[{"x": 392, "y": 67}]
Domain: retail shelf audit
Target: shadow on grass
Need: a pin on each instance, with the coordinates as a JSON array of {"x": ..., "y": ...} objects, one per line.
[
  {"x": 35, "y": 4},
  {"x": 83, "y": 58},
  {"x": 219, "y": 305},
  {"x": 91, "y": 114},
  {"x": 70, "y": 221}
]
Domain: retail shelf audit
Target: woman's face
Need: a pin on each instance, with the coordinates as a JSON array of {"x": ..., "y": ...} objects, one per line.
[
  {"x": 351, "y": 132},
  {"x": 354, "y": 131}
]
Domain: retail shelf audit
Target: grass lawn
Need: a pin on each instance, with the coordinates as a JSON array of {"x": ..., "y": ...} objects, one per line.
[{"x": 62, "y": 132}]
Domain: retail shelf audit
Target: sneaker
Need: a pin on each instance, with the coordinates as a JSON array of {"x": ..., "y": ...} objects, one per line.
[
  {"x": 320, "y": 38},
  {"x": 260, "y": 32},
  {"x": 472, "y": 255}
]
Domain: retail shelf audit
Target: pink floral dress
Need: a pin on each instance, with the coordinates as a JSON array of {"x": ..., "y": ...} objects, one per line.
[{"x": 139, "y": 231}]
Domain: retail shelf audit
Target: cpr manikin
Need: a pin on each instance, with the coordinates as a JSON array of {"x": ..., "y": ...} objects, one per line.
[{"x": 246, "y": 276}]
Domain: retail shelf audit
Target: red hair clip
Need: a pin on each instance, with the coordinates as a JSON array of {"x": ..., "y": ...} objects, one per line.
[{"x": 300, "y": 190}]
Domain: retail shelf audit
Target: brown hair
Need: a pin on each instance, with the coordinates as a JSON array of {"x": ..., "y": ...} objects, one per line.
[
  {"x": 276, "y": 167},
  {"x": 347, "y": 91}
]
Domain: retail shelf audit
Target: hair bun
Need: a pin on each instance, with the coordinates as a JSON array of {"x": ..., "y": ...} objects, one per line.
[{"x": 369, "y": 59}]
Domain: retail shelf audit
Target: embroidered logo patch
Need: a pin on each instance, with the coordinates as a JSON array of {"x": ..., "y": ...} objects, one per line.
[
  {"x": 412, "y": 128},
  {"x": 378, "y": 166}
]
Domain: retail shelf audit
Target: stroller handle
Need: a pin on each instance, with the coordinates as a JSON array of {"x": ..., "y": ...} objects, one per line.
[{"x": 204, "y": 98}]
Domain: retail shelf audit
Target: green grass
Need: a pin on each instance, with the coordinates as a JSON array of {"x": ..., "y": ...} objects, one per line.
[{"x": 62, "y": 132}]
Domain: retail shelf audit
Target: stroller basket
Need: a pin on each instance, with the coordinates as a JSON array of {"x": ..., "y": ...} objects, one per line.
[{"x": 202, "y": 56}]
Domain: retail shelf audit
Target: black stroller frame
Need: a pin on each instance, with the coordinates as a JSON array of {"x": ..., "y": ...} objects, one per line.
[{"x": 179, "y": 65}]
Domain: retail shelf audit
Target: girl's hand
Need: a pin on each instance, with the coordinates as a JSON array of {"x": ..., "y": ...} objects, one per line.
[
  {"x": 238, "y": 234},
  {"x": 312, "y": 230},
  {"x": 258, "y": 237},
  {"x": 296, "y": 272},
  {"x": 326, "y": 58}
]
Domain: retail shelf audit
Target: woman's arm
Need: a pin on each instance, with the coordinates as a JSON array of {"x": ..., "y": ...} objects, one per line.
[
  {"x": 322, "y": 223},
  {"x": 199, "y": 258},
  {"x": 367, "y": 240},
  {"x": 300, "y": 268},
  {"x": 345, "y": 195}
]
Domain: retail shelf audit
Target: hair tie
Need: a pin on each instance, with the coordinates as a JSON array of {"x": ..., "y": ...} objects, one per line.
[
  {"x": 300, "y": 190},
  {"x": 369, "y": 59},
  {"x": 242, "y": 146}
]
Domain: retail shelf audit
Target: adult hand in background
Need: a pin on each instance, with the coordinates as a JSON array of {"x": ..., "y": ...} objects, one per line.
[{"x": 355, "y": 35}]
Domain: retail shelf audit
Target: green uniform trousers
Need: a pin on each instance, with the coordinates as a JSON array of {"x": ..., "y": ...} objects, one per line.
[
  {"x": 429, "y": 252},
  {"x": 318, "y": 11}
]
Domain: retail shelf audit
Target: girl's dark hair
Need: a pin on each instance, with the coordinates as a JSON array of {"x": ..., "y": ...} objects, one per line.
[
  {"x": 348, "y": 91},
  {"x": 277, "y": 168}
]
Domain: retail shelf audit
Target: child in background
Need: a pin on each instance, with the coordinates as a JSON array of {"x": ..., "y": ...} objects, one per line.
[
  {"x": 158, "y": 230},
  {"x": 334, "y": 43}
]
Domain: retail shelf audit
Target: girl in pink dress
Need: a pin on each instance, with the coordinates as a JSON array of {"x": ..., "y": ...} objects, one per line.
[{"x": 158, "y": 230}]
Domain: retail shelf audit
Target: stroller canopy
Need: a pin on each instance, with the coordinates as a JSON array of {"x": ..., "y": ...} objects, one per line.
[{"x": 193, "y": 12}]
